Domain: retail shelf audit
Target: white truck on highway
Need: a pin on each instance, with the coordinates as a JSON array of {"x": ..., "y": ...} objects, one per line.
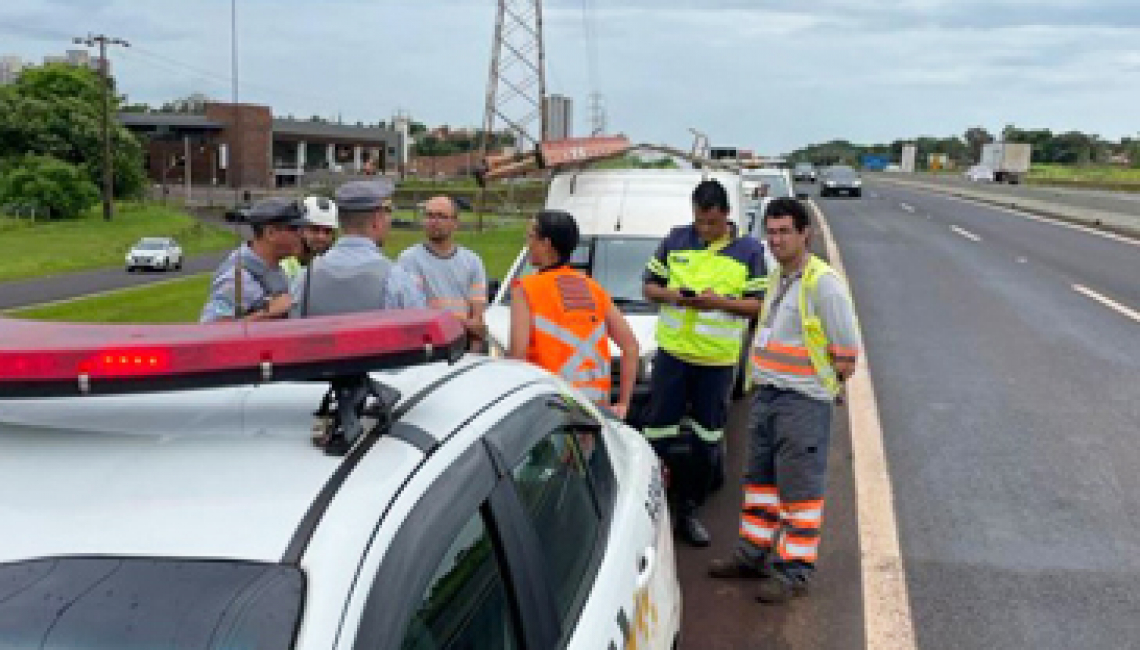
[{"x": 1008, "y": 160}]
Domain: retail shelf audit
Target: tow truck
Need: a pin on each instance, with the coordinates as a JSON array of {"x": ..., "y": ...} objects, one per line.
[{"x": 163, "y": 490}]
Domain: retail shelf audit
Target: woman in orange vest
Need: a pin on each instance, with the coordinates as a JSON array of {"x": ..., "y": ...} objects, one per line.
[{"x": 561, "y": 319}]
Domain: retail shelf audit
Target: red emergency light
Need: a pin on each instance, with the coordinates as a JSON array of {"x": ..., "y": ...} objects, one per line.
[{"x": 39, "y": 359}]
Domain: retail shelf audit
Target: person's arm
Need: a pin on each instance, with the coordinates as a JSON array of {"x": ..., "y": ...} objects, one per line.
[
  {"x": 658, "y": 293},
  {"x": 838, "y": 319},
  {"x": 275, "y": 307},
  {"x": 477, "y": 300},
  {"x": 520, "y": 324},
  {"x": 656, "y": 278},
  {"x": 619, "y": 330},
  {"x": 708, "y": 301}
]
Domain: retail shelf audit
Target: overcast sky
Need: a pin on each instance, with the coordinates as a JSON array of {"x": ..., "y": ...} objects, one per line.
[{"x": 768, "y": 75}]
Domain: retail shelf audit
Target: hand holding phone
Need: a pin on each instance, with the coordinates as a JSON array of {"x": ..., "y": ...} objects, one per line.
[{"x": 687, "y": 292}]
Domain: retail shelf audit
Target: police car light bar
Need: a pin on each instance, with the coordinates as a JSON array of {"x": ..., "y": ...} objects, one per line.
[{"x": 39, "y": 359}]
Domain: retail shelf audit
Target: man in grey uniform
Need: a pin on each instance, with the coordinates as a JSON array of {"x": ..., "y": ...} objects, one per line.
[
  {"x": 808, "y": 344},
  {"x": 265, "y": 295},
  {"x": 452, "y": 276},
  {"x": 354, "y": 275}
]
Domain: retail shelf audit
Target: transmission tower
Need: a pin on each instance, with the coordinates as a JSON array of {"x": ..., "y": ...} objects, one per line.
[
  {"x": 597, "y": 115},
  {"x": 516, "y": 89}
]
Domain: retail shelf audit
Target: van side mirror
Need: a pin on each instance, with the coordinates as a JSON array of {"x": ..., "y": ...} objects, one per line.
[{"x": 493, "y": 290}]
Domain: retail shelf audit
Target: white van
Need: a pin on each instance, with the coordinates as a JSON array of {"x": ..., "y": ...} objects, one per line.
[{"x": 622, "y": 216}]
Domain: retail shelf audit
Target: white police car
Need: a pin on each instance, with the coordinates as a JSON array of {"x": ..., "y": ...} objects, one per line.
[{"x": 488, "y": 506}]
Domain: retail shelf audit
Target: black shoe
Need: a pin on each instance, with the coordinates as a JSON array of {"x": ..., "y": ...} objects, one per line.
[
  {"x": 774, "y": 590},
  {"x": 735, "y": 568},
  {"x": 693, "y": 531}
]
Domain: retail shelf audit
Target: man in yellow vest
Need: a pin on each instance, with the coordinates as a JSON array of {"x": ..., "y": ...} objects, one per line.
[
  {"x": 709, "y": 283},
  {"x": 807, "y": 345}
]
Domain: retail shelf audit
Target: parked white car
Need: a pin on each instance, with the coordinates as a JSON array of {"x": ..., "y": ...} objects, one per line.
[
  {"x": 161, "y": 253},
  {"x": 484, "y": 503},
  {"x": 980, "y": 173}
]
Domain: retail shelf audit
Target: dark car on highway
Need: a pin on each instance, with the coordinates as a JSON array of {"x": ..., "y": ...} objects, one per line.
[
  {"x": 840, "y": 179},
  {"x": 804, "y": 171}
]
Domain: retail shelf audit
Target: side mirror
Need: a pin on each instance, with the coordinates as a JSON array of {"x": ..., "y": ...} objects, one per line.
[
  {"x": 801, "y": 195},
  {"x": 493, "y": 290}
]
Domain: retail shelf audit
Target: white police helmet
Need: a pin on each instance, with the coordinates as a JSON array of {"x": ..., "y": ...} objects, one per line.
[{"x": 320, "y": 211}]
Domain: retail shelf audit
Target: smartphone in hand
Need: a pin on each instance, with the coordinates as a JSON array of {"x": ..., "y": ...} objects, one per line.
[{"x": 687, "y": 292}]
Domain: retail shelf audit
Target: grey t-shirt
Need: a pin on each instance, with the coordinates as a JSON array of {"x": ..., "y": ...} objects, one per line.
[
  {"x": 453, "y": 283},
  {"x": 783, "y": 362},
  {"x": 259, "y": 282}
]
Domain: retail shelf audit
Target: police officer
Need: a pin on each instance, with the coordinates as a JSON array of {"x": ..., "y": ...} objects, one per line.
[
  {"x": 264, "y": 288},
  {"x": 354, "y": 275},
  {"x": 708, "y": 282}
]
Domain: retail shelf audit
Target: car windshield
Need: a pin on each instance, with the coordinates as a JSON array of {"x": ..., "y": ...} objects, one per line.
[
  {"x": 616, "y": 263},
  {"x": 97, "y": 603},
  {"x": 841, "y": 173},
  {"x": 804, "y": 167},
  {"x": 151, "y": 245},
  {"x": 777, "y": 184}
]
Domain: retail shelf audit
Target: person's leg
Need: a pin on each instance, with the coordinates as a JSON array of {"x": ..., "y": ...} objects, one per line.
[
  {"x": 708, "y": 393},
  {"x": 802, "y": 432},
  {"x": 760, "y": 508},
  {"x": 663, "y": 413}
]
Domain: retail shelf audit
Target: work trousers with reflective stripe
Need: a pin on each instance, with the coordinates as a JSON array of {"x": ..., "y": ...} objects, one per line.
[
  {"x": 784, "y": 485},
  {"x": 685, "y": 420}
]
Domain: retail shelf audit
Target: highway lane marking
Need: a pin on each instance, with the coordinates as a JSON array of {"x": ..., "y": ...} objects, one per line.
[
  {"x": 886, "y": 605},
  {"x": 966, "y": 233},
  {"x": 105, "y": 292},
  {"x": 908, "y": 207},
  {"x": 1040, "y": 219},
  {"x": 1108, "y": 302}
]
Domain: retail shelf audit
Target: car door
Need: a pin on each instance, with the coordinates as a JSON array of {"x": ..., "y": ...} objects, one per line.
[{"x": 604, "y": 546}]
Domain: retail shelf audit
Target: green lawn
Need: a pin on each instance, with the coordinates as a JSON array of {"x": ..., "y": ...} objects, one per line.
[
  {"x": 30, "y": 249},
  {"x": 181, "y": 300},
  {"x": 1102, "y": 173}
]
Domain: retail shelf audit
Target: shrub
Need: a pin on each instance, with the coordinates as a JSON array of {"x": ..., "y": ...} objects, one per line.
[{"x": 47, "y": 186}]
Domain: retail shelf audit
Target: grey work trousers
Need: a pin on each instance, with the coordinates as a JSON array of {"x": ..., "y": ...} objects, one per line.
[{"x": 784, "y": 485}]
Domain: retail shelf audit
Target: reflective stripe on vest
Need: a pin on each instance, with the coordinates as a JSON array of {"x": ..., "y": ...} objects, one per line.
[{"x": 584, "y": 350}]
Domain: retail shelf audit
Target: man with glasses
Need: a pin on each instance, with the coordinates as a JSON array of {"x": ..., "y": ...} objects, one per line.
[
  {"x": 452, "y": 277},
  {"x": 354, "y": 275},
  {"x": 264, "y": 289}
]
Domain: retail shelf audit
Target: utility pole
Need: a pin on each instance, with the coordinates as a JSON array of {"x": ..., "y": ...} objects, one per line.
[
  {"x": 516, "y": 86},
  {"x": 102, "y": 40},
  {"x": 597, "y": 115}
]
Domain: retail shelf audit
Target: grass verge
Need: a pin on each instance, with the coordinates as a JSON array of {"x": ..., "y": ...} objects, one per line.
[
  {"x": 180, "y": 301},
  {"x": 32, "y": 249}
]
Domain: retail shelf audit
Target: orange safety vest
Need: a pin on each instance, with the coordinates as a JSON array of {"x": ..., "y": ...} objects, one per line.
[{"x": 568, "y": 329}]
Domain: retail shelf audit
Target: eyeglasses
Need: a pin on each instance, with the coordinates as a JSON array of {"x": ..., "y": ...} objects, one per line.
[{"x": 437, "y": 215}]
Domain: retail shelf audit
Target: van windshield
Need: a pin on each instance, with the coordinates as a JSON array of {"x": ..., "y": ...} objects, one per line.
[{"x": 616, "y": 263}]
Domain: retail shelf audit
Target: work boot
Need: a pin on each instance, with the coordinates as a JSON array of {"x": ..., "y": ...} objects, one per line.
[
  {"x": 735, "y": 568},
  {"x": 692, "y": 530},
  {"x": 776, "y": 590}
]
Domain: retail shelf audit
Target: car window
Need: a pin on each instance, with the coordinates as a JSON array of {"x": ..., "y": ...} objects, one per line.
[
  {"x": 465, "y": 606},
  {"x": 97, "y": 603},
  {"x": 554, "y": 485},
  {"x": 616, "y": 263}
]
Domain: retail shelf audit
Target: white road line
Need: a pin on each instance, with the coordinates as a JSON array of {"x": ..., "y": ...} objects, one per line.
[
  {"x": 1040, "y": 219},
  {"x": 907, "y": 207},
  {"x": 1108, "y": 302},
  {"x": 966, "y": 233},
  {"x": 886, "y": 606}
]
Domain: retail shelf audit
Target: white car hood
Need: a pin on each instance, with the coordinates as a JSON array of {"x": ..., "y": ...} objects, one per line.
[{"x": 498, "y": 318}]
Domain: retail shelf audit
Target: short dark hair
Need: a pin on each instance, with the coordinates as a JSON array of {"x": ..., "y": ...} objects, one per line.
[
  {"x": 561, "y": 229},
  {"x": 789, "y": 207},
  {"x": 355, "y": 220},
  {"x": 711, "y": 194}
]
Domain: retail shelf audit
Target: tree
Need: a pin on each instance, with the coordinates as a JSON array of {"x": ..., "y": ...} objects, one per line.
[
  {"x": 47, "y": 185},
  {"x": 976, "y": 138},
  {"x": 56, "y": 111}
]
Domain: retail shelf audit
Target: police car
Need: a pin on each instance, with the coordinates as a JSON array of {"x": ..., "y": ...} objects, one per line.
[{"x": 162, "y": 489}]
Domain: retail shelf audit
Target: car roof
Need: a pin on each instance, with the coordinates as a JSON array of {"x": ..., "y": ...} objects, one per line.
[
  {"x": 635, "y": 201},
  {"x": 218, "y": 473}
]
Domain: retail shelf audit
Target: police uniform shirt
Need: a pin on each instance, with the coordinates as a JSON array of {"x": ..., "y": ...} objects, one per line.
[
  {"x": 399, "y": 291},
  {"x": 452, "y": 283},
  {"x": 259, "y": 282}
]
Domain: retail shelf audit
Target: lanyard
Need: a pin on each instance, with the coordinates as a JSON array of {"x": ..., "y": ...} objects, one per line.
[{"x": 786, "y": 282}]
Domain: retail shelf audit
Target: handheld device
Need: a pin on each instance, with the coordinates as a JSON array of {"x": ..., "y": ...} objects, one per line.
[{"x": 688, "y": 293}]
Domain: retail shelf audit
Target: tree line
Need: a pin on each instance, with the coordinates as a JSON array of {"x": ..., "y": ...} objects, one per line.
[{"x": 1067, "y": 148}]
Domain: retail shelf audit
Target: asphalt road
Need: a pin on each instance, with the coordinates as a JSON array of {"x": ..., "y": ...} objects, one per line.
[
  {"x": 23, "y": 293},
  {"x": 1008, "y": 396}
]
